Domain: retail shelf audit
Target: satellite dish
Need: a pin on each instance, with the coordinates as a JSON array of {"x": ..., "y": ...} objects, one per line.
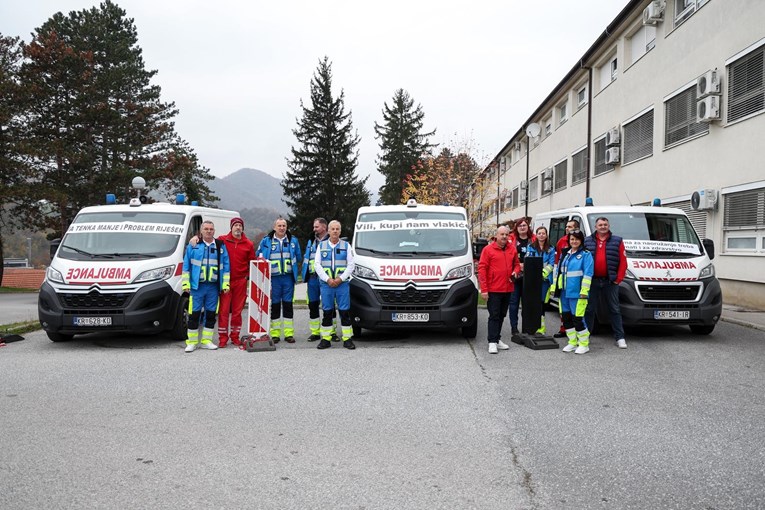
[{"x": 533, "y": 130}]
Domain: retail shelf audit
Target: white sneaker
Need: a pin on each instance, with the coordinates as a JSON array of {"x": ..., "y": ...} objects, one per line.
[
  {"x": 502, "y": 345},
  {"x": 582, "y": 349},
  {"x": 621, "y": 343},
  {"x": 191, "y": 347},
  {"x": 569, "y": 347},
  {"x": 493, "y": 348},
  {"x": 210, "y": 346}
]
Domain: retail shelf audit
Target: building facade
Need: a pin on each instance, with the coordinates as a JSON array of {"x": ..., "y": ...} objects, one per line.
[{"x": 668, "y": 101}]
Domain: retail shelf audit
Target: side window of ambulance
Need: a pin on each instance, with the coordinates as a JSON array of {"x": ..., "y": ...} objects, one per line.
[
  {"x": 557, "y": 229},
  {"x": 194, "y": 227},
  {"x": 581, "y": 223}
]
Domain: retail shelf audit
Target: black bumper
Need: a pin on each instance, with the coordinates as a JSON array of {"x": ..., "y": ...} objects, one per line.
[
  {"x": 374, "y": 309},
  {"x": 128, "y": 312},
  {"x": 636, "y": 312}
]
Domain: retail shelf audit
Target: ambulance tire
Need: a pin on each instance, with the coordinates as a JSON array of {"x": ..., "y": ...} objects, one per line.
[
  {"x": 701, "y": 329},
  {"x": 58, "y": 337},
  {"x": 181, "y": 326},
  {"x": 470, "y": 331},
  {"x": 356, "y": 331}
]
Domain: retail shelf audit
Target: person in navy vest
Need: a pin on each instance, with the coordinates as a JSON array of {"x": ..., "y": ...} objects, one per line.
[
  {"x": 610, "y": 267},
  {"x": 334, "y": 264}
]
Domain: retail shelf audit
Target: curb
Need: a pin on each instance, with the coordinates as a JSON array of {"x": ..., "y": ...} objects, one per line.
[{"x": 746, "y": 324}]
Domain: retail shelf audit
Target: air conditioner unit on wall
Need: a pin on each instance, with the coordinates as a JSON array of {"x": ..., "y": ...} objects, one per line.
[
  {"x": 704, "y": 200},
  {"x": 652, "y": 14},
  {"x": 524, "y": 184},
  {"x": 708, "y": 84},
  {"x": 708, "y": 109},
  {"x": 613, "y": 136},
  {"x": 517, "y": 146},
  {"x": 612, "y": 156}
]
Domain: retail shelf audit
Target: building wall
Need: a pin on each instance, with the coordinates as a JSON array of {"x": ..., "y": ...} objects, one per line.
[{"x": 725, "y": 159}]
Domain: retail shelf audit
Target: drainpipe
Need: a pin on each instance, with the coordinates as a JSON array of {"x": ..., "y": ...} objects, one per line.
[{"x": 589, "y": 131}]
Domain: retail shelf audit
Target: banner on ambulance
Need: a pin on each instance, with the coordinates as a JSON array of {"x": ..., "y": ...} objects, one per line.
[{"x": 125, "y": 227}]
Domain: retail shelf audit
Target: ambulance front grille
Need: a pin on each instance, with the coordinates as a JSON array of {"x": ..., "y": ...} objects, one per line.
[
  {"x": 655, "y": 292},
  {"x": 410, "y": 296},
  {"x": 93, "y": 300}
]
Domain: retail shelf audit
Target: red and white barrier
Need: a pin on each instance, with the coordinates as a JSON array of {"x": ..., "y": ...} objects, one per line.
[{"x": 259, "y": 298}]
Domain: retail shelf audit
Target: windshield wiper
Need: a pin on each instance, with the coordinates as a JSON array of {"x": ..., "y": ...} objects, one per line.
[
  {"x": 377, "y": 252},
  {"x": 431, "y": 253},
  {"x": 83, "y": 252},
  {"x": 147, "y": 255}
]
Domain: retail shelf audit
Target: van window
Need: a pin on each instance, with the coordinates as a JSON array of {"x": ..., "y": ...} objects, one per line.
[
  {"x": 412, "y": 214},
  {"x": 650, "y": 227},
  {"x": 557, "y": 228},
  {"x": 125, "y": 235}
]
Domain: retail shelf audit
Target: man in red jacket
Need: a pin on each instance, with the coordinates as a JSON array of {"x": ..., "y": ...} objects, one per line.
[
  {"x": 240, "y": 252},
  {"x": 498, "y": 265}
]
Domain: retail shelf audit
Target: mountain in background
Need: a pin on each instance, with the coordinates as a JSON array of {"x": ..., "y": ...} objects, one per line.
[{"x": 247, "y": 188}]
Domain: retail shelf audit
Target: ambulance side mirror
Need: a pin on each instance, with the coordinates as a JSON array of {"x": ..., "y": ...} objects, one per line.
[{"x": 709, "y": 247}]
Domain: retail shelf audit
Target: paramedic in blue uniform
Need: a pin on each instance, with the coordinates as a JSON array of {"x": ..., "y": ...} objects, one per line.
[
  {"x": 311, "y": 278},
  {"x": 205, "y": 276},
  {"x": 282, "y": 250},
  {"x": 334, "y": 265}
]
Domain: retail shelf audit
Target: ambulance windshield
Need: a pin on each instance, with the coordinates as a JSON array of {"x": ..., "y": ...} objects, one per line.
[
  {"x": 412, "y": 238},
  {"x": 659, "y": 234},
  {"x": 122, "y": 235}
]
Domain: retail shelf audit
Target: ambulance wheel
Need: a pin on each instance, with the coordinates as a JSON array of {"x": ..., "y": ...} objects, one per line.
[
  {"x": 181, "y": 326},
  {"x": 356, "y": 331},
  {"x": 58, "y": 337},
  {"x": 702, "y": 330},
  {"x": 470, "y": 331}
]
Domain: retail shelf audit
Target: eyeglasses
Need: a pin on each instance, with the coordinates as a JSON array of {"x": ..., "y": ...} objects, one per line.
[{"x": 577, "y": 231}]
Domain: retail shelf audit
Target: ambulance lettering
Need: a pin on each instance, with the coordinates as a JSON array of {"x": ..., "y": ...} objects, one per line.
[
  {"x": 663, "y": 264},
  {"x": 96, "y": 274},
  {"x": 414, "y": 270}
]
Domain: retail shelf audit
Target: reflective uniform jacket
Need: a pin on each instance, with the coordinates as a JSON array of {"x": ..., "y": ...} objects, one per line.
[
  {"x": 337, "y": 261},
  {"x": 204, "y": 263},
  {"x": 284, "y": 254},
  {"x": 575, "y": 275},
  {"x": 310, "y": 254}
]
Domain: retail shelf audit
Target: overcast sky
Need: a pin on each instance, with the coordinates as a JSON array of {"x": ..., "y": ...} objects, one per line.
[{"x": 237, "y": 70}]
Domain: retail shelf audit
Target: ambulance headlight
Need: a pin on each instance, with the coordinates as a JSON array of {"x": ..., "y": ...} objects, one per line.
[
  {"x": 161, "y": 273},
  {"x": 707, "y": 272},
  {"x": 628, "y": 274},
  {"x": 53, "y": 275},
  {"x": 364, "y": 272},
  {"x": 465, "y": 271}
]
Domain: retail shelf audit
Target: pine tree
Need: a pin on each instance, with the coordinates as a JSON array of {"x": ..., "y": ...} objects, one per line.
[
  {"x": 402, "y": 144},
  {"x": 94, "y": 121},
  {"x": 321, "y": 179}
]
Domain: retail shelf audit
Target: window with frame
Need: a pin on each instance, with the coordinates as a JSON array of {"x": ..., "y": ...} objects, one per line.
[
  {"x": 579, "y": 167},
  {"x": 638, "y": 138},
  {"x": 642, "y": 42},
  {"x": 746, "y": 85},
  {"x": 684, "y": 9},
  {"x": 515, "y": 197},
  {"x": 562, "y": 113},
  {"x": 680, "y": 118},
  {"x": 560, "y": 176},
  {"x": 581, "y": 96},
  {"x": 600, "y": 157},
  {"x": 509, "y": 201},
  {"x": 548, "y": 128},
  {"x": 744, "y": 221},
  {"x": 546, "y": 182},
  {"x": 607, "y": 72},
  {"x": 534, "y": 189}
]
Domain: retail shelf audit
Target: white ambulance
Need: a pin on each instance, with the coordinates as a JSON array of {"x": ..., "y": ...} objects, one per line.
[
  {"x": 414, "y": 269},
  {"x": 118, "y": 268},
  {"x": 670, "y": 277}
]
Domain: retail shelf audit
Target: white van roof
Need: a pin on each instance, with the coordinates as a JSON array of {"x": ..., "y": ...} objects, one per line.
[
  {"x": 605, "y": 210},
  {"x": 159, "y": 207}
]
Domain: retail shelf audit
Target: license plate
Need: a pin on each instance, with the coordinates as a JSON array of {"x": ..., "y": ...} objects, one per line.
[
  {"x": 92, "y": 321},
  {"x": 671, "y": 314},
  {"x": 411, "y": 317}
]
